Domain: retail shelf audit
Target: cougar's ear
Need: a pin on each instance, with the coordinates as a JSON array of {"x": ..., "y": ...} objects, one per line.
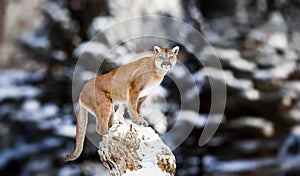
[
  {"x": 175, "y": 50},
  {"x": 156, "y": 49}
]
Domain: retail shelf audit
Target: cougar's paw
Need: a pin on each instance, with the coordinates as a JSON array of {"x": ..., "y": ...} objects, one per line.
[
  {"x": 140, "y": 121},
  {"x": 145, "y": 123},
  {"x": 102, "y": 131}
]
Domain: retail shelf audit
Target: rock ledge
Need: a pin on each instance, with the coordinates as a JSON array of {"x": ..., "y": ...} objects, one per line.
[{"x": 129, "y": 149}]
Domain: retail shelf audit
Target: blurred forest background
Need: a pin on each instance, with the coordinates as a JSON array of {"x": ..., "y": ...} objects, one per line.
[{"x": 257, "y": 42}]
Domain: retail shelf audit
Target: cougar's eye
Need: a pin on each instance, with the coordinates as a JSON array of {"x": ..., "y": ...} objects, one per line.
[
  {"x": 171, "y": 57},
  {"x": 161, "y": 58}
]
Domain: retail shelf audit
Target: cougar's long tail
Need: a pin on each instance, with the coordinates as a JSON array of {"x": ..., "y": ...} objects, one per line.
[{"x": 82, "y": 120}]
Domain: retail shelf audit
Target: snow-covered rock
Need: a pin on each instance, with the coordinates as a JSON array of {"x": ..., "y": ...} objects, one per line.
[{"x": 129, "y": 149}]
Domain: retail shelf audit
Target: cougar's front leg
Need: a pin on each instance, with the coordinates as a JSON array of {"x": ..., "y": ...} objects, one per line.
[{"x": 133, "y": 105}]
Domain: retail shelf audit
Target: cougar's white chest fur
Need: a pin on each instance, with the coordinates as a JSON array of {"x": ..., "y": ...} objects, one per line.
[{"x": 149, "y": 89}]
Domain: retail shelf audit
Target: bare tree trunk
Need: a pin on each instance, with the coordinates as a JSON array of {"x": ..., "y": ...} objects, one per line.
[{"x": 2, "y": 17}]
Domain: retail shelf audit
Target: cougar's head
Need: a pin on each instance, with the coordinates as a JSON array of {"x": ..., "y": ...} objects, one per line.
[{"x": 165, "y": 58}]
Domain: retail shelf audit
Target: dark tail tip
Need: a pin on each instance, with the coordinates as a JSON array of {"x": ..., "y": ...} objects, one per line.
[{"x": 69, "y": 157}]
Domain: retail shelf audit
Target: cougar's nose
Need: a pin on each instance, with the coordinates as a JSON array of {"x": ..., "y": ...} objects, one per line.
[{"x": 166, "y": 65}]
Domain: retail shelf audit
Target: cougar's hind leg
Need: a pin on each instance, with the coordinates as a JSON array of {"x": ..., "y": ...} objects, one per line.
[
  {"x": 103, "y": 116},
  {"x": 111, "y": 118}
]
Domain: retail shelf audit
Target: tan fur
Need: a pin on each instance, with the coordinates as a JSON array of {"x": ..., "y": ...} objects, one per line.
[{"x": 130, "y": 83}]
